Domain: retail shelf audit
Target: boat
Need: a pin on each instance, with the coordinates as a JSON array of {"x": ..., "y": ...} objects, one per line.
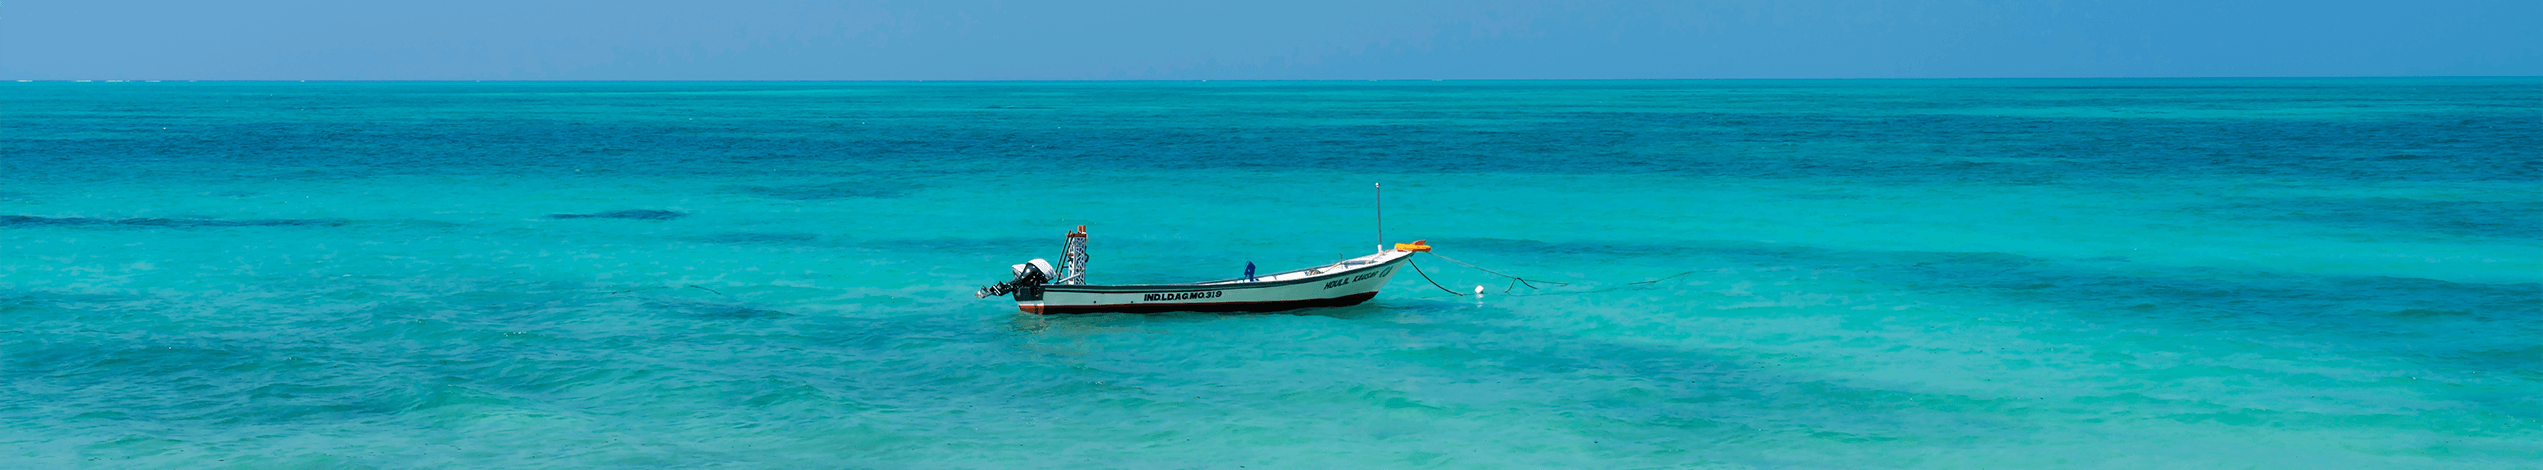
[{"x": 1040, "y": 289}]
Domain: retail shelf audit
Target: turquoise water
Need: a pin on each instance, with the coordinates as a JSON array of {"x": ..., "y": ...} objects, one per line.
[{"x": 1851, "y": 274}]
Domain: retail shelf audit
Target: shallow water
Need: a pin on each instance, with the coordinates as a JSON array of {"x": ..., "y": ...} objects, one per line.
[{"x": 2293, "y": 273}]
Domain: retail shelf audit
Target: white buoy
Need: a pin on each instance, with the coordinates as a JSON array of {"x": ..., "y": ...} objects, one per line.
[{"x": 1478, "y": 292}]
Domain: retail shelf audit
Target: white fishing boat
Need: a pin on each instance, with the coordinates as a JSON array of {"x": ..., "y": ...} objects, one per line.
[{"x": 1039, "y": 289}]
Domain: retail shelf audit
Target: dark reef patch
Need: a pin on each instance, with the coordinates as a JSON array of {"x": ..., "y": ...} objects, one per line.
[
  {"x": 33, "y": 221},
  {"x": 638, "y": 214},
  {"x": 816, "y": 192},
  {"x": 754, "y": 238},
  {"x": 715, "y": 310},
  {"x": 2502, "y": 219}
]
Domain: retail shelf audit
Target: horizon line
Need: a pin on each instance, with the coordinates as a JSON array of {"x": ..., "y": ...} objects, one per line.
[{"x": 1090, "y": 80}]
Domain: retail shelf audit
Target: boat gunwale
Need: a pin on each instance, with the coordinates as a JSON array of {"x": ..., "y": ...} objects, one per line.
[{"x": 1223, "y": 284}]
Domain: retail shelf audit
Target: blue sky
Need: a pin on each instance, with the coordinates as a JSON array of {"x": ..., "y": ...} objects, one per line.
[{"x": 1298, "y": 39}]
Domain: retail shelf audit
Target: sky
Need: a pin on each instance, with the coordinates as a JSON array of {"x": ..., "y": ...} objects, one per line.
[{"x": 1282, "y": 40}]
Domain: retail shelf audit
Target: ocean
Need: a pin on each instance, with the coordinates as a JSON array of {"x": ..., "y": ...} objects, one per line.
[{"x": 1745, "y": 274}]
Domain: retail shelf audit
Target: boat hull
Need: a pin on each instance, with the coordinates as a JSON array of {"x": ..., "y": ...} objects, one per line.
[
  {"x": 1216, "y": 307},
  {"x": 1343, "y": 284}
]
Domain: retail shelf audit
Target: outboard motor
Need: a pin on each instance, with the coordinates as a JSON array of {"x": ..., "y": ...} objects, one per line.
[{"x": 1027, "y": 284}]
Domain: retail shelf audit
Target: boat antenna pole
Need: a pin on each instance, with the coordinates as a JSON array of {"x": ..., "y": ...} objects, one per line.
[{"x": 1381, "y": 215}]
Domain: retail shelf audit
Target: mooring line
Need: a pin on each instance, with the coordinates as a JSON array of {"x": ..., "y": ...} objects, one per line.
[
  {"x": 1672, "y": 276},
  {"x": 1626, "y": 288},
  {"x": 1516, "y": 281},
  {"x": 1497, "y": 273},
  {"x": 1417, "y": 269}
]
